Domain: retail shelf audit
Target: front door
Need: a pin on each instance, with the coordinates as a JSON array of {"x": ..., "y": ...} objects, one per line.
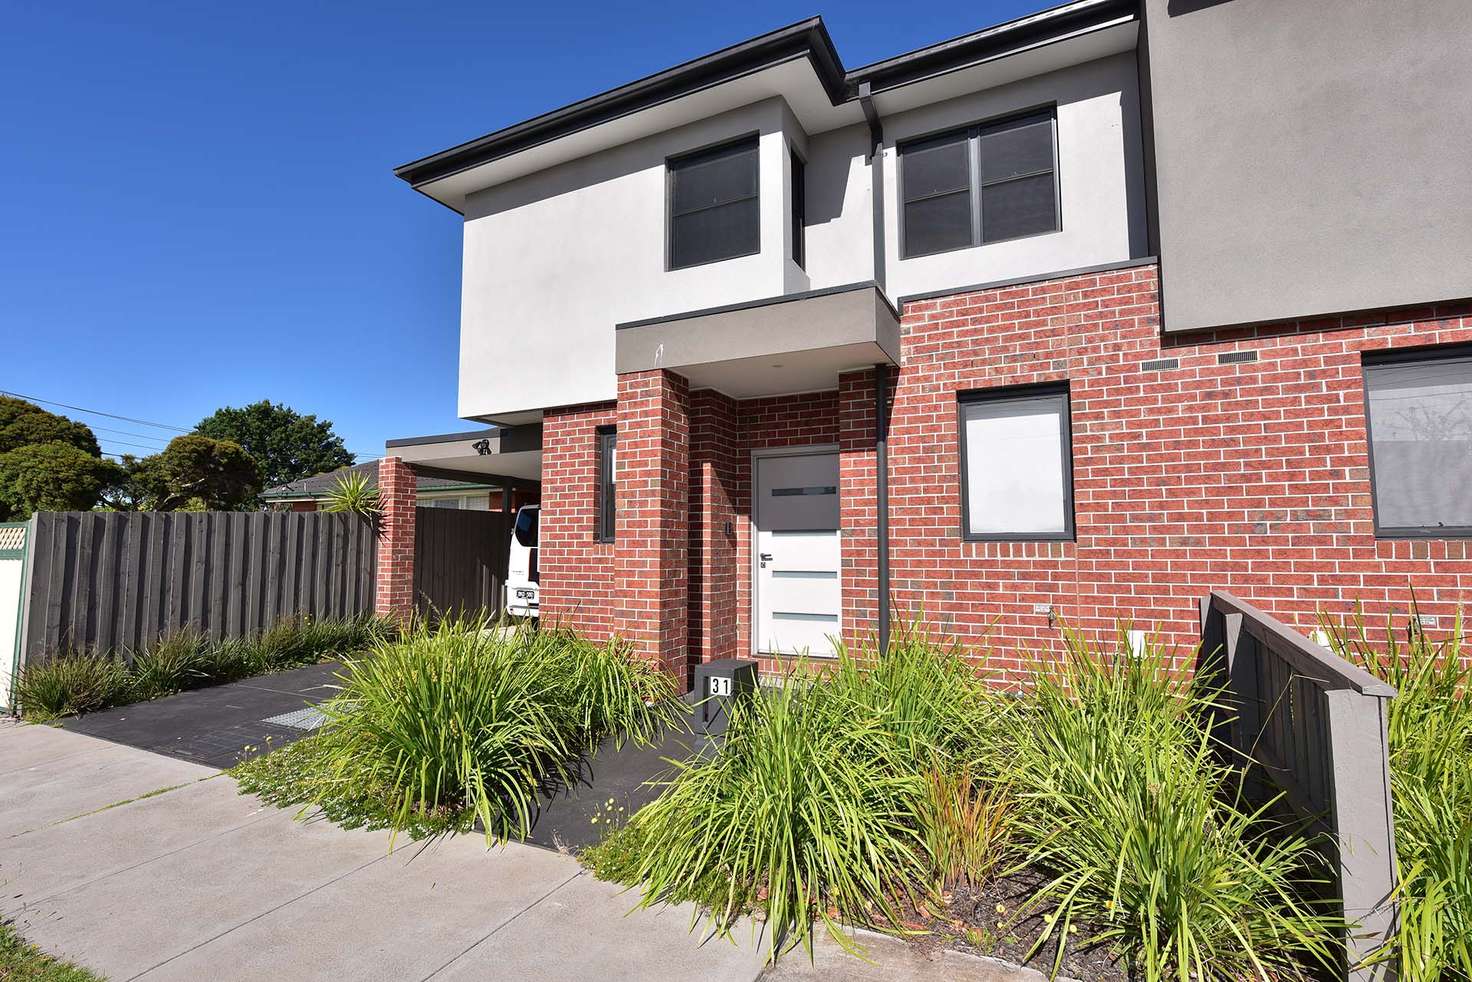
[{"x": 797, "y": 553}]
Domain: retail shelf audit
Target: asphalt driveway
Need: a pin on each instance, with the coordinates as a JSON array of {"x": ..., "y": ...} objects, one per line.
[{"x": 143, "y": 866}]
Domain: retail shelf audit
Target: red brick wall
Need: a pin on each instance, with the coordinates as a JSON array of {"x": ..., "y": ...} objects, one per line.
[
  {"x": 651, "y": 553},
  {"x": 577, "y": 576},
  {"x": 1251, "y": 477},
  {"x": 394, "y": 590}
]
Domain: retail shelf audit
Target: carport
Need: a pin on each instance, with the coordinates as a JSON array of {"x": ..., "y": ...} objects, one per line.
[{"x": 441, "y": 561}]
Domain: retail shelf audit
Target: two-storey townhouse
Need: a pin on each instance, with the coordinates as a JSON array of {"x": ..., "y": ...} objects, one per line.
[{"x": 1071, "y": 319}]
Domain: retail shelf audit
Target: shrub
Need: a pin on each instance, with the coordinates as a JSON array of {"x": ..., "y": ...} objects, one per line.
[
  {"x": 465, "y": 720},
  {"x": 186, "y": 659},
  {"x": 809, "y": 806},
  {"x": 171, "y": 664},
  {"x": 1430, "y": 732},
  {"x": 966, "y": 824},
  {"x": 1124, "y": 802},
  {"x": 70, "y": 682}
]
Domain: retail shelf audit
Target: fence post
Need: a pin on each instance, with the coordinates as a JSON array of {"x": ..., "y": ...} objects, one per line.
[{"x": 1359, "y": 762}]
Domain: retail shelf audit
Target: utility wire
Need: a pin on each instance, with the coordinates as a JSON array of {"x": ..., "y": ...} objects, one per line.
[{"x": 96, "y": 412}]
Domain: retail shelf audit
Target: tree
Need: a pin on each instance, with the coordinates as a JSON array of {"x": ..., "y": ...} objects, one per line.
[
  {"x": 285, "y": 444},
  {"x": 25, "y": 423},
  {"x": 193, "y": 473},
  {"x": 52, "y": 476}
]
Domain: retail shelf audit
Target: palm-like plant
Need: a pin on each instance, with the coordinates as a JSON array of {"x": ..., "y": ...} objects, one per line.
[{"x": 355, "y": 495}]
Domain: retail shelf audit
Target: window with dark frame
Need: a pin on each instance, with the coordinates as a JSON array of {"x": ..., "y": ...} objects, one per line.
[
  {"x": 713, "y": 205},
  {"x": 799, "y": 210},
  {"x": 606, "y": 503},
  {"x": 1016, "y": 464},
  {"x": 1419, "y": 419},
  {"x": 983, "y": 184}
]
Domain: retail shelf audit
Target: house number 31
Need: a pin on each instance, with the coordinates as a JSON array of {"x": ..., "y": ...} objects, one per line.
[{"x": 720, "y": 685}]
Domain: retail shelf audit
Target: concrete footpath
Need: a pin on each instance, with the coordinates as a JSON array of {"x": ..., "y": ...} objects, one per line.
[{"x": 140, "y": 866}]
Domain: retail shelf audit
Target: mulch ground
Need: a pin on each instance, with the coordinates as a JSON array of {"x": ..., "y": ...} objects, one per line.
[{"x": 1003, "y": 920}]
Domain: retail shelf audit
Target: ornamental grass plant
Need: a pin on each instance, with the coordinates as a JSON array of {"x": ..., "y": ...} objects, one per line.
[
  {"x": 1430, "y": 733},
  {"x": 468, "y": 720},
  {"x": 70, "y": 681},
  {"x": 869, "y": 786},
  {"x": 1125, "y": 804}
]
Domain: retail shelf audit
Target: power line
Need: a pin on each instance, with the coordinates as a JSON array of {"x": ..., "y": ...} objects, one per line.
[
  {"x": 124, "y": 443},
  {"x": 96, "y": 412},
  {"x": 141, "y": 436}
]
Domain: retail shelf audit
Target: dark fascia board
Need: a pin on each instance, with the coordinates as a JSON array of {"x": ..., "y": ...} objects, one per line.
[
  {"x": 763, "y": 302},
  {"x": 807, "y": 38},
  {"x": 958, "y": 52},
  {"x": 414, "y": 441}
]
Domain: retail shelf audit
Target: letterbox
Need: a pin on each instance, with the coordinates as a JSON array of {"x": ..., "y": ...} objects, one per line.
[{"x": 718, "y": 684}]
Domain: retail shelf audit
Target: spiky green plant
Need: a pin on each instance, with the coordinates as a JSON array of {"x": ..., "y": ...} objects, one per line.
[
  {"x": 1122, "y": 799},
  {"x": 808, "y": 808},
  {"x": 354, "y": 494},
  {"x": 1430, "y": 733},
  {"x": 174, "y": 662},
  {"x": 468, "y": 718},
  {"x": 70, "y": 682}
]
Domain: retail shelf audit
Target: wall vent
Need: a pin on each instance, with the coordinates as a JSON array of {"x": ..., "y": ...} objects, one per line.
[
  {"x": 1233, "y": 357},
  {"x": 1160, "y": 364}
]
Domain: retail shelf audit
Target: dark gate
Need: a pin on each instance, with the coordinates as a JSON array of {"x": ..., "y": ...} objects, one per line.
[{"x": 459, "y": 561}]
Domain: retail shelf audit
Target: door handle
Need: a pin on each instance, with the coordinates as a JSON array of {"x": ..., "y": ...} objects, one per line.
[{"x": 766, "y": 557}]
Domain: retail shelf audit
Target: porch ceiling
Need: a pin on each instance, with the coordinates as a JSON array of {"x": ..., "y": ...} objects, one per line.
[
  {"x": 513, "y": 452},
  {"x": 796, "y": 343}
]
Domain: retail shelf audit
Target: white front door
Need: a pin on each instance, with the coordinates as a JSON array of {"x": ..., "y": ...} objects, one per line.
[{"x": 797, "y": 553}]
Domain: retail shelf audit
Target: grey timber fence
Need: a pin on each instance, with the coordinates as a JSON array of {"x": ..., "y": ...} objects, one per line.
[
  {"x": 117, "y": 580},
  {"x": 1314, "y": 727},
  {"x": 460, "y": 560}
]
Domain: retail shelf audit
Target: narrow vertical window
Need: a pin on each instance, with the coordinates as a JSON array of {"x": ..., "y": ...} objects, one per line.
[
  {"x": 714, "y": 209},
  {"x": 605, "y": 503},
  {"x": 799, "y": 210},
  {"x": 1420, "y": 432}
]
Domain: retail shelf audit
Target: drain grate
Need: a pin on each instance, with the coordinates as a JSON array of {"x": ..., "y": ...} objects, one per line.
[{"x": 299, "y": 719}]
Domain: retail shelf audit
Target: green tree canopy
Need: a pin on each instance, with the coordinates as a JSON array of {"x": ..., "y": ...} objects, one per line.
[
  {"x": 25, "y": 423},
  {"x": 52, "y": 476},
  {"x": 285, "y": 444},
  {"x": 193, "y": 473}
]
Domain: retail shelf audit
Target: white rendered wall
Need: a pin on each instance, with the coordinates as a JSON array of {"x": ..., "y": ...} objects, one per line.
[
  {"x": 1100, "y": 172},
  {"x": 555, "y": 260}
]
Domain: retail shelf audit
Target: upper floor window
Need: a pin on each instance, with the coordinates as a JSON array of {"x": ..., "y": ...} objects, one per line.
[
  {"x": 982, "y": 184},
  {"x": 604, "y": 506},
  {"x": 714, "y": 209},
  {"x": 1016, "y": 464},
  {"x": 799, "y": 210},
  {"x": 1420, "y": 429}
]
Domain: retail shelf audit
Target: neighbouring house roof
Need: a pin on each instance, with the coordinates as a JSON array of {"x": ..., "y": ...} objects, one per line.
[
  {"x": 445, "y": 175},
  {"x": 318, "y": 485}
]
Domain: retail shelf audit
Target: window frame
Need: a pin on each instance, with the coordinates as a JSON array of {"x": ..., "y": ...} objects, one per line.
[
  {"x": 605, "y": 487},
  {"x": 1409, "y": 356},
  {"x": 972, "y": 134},
  {"x": 1018, "y": 393},
  {"x": 671, "y": 166},
  {"x": 798, "y": 219}
]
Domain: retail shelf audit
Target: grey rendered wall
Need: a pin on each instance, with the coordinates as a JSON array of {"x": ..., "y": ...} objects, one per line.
[{"x": 1312, "y": 156}]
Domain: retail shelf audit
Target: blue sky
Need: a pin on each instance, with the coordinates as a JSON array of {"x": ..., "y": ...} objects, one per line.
[{"x": 196, "y": 200}]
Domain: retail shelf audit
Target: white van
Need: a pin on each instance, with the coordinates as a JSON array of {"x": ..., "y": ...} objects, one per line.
[{"x": 521, "y": 565}]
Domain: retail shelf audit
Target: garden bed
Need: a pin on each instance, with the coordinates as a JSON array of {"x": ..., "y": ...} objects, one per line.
[{"x": 71, "y": 683}]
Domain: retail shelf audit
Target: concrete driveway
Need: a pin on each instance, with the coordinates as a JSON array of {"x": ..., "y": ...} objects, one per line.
[{"x": 141, "y": 866}]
